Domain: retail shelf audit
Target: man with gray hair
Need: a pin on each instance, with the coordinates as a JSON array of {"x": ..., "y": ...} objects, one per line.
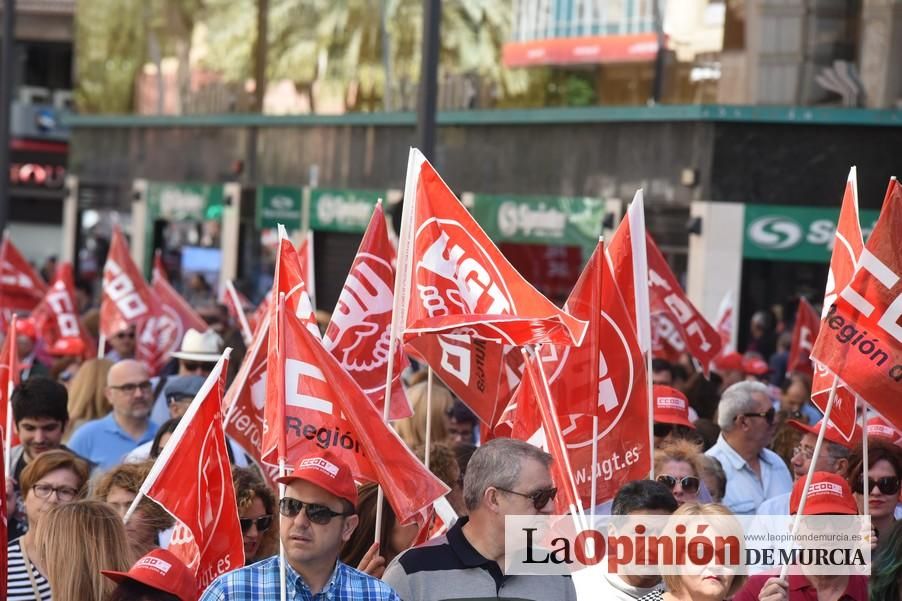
[
  {"x": 746, "y": 417},
  {"x": 504, "y": 477}
]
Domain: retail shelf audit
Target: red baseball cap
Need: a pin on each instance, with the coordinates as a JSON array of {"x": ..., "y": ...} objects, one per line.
[
  {"x": 755, "y": 366},
  {"x": 163, "y": 571},
  {"x": 880, "y": 428},
  {"x": 832, "y": 434},
  {"x": 828, "y": 494},
  {"x": 671, "y": 406},
  {"x": 326, "y": 470},
  {"x": 729, "y": 362},
  {"x": 67, "y": 347}
]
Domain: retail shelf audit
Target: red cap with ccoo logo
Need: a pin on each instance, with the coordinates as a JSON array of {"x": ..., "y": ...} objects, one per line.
[
  {"x": 163, "y": 571},
  {"x": 671, "y": 406},
  {"x": 326, "y": 470},
  {"x": 828, "y": 494},
  {"x": 832, "y": 434}
]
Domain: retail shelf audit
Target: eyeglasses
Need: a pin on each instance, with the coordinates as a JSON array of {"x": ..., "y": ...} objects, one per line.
[
  {"x": 539, "y": 498},
  {"x": 689, "y": 484},
  {"x": 197, "y": 366},
  {"x": 806, "y": 452},
  {"x": 263, "y": 523},
  {"x": 662, "y": 430},
  {"x": 172, "y": 399},
  {"x": 64, "y": 494},
  {"x": 131, "y": 387},
  {"x": 767, "y": 415},
  {"x": 125, "y": 334},
  {"x": 888, "y": 485},
  {"x": 318, "y": 514}
]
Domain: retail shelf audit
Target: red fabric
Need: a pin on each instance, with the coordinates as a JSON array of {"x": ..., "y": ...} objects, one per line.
[
  {"x": 846, "y": 251},
  {"x": 803, "y": 334},
  {"x": 57, "y": 320},
  {"x": 325, "y": 408},
  {"x": 832, "y": 434},
  {"x": 179, "y": 312},
  {"x": 161, "y": 570},
  {"x": 21, "y": 288},
  {"x": 192, "y": 480},
  {"x": 671, "y": 406},
  {"x": 800, "y": 589},
  {"x": 358, "y": 334},
  {"x": 4, "y": 513},
  {"x": 880, "y": 428},
  {"x": 861, "y": 339},
  {"x": 724, "y": 325},
  {"x": 828, "y": 494},
  {"x": 9, "y": 379},
  {"x": 326, "y": 470},
  {"x": 677, "y": 326},
  {"x": 627, "y": 254}
]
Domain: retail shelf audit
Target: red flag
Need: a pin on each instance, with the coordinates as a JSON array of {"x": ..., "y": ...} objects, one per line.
[
  {"x": 455, "y": 280},
  {"x": 847, "y": 249},
  {"x": 192, "y": 480},
  {"x": 176, "y": 307},
  {"x": 324, "y": 406},
  {"x": 236, "y": 304},
  {"x": 678, "y": 327},
  {"x": 621, "y": 398},
  {"x": 803, "y": 334},
  {"x": 436, "y": 522},
  {"x": 21, "y": 288},
  {"x": 861, "y": 339},
  {"x": 9, "y": 379},
  {"x": 262, "y": 309},
  {"x": 358, "y": 334},
  {"x": 56, "y": 317},
  {"x": 4, "y": 512},
  {"x": 627, "y": 253},
  {"x": 305, "y": 260}
]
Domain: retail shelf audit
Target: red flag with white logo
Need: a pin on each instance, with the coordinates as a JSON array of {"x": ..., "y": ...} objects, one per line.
[
  {"x": 21, "y": 288},
  {"x": 621, "y": 397},
  {"x": 803, "y": 334},
  {"x": 9, "y": 379},
  {"x": 677, "y": 326},
  {"x": 359, "y": 333},
  {"x": 192, "y": 480},
  {"x": 847, "y": 248},
  {"x": 861, "y": 338},
  {"x": 56, "y": 317},
  {"x": 324, "y": 407}
]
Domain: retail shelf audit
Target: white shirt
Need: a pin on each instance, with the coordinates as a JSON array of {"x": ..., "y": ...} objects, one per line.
[
  {"x": 745, "y": 489},
  {"x": 594, "y": 583}
]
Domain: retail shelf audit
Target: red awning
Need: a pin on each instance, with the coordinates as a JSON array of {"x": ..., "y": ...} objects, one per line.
[{"x": 638, "y": 47}]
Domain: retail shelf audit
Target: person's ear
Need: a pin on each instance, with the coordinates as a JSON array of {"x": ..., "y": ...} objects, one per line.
[{"x": 349, "y": 526}]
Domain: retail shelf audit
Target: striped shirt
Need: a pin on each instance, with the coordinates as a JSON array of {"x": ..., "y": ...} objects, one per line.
[
  {"x": 18, "y": 585},
  {"x": 261, "y": 581}
]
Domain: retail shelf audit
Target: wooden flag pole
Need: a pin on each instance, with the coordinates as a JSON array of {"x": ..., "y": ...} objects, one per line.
[
  {"x": 865, "y": 499},
  {"x": 283, "y": 579},
  {"x": 101, "y": 346}
]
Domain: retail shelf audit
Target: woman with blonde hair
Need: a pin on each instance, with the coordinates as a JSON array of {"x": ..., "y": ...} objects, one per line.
[
  {"x": 87, "y": 393},
  {"x": 680, "y": 465},
  {"x": 412, "y": 430},
  {"x": 75, "y": 542},
  {"x": 705, "y": 583}
]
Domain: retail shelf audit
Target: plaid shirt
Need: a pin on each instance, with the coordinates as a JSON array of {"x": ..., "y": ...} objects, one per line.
[{"x": 261, "y": 581}]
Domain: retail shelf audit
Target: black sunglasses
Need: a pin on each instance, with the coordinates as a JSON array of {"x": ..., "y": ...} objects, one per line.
[
  {"x": 888, "y": 485},
  {"x": 767, "y": 415},
  {"x": 318, "y": 514},
  {"x": 197, "y": 365},
  {"x": 263, "y": 523},
  {"x": 539, "y": 498},
  {"x": 662, "y": 430},
  {"x": 689, "y": 484}
]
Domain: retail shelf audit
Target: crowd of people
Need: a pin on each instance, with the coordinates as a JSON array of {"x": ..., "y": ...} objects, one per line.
[{"x": 737, "y": 442}]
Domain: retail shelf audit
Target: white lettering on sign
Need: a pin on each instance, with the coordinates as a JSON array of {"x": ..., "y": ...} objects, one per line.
[
  {"x": 456, "y": 357},
  {"x": 121, "y": 290},
  {"x": 515, "y": 218},
  {"x": 607, "y": 396},
  {"x": 294, "y": 371},
  {"x": 889, "y": 321},
  {"x": 66, "y": 320}
]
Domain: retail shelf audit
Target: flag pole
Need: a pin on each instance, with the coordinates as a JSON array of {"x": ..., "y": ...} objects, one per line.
[
  {"x": 649, "y": 383},
  {"x": 11, "y": 374},
  {"x": 865, "y": 499},
  {"x": 797, "y": 522},
  {"x": 596, "y": 310},
  {"x": 283, "y": 580},
  {"x": 594, "y": 494},
  {"x": 242, "y": 318},
  {"x": 429, "y": 380},
  {"x": 101, "y": 345}
]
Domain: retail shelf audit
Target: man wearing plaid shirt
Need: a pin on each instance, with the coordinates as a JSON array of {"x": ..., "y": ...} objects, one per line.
[{"x": 318, "y": 517}]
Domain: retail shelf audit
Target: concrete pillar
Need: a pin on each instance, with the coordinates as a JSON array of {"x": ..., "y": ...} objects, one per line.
[{"x": 881, "y": 48}]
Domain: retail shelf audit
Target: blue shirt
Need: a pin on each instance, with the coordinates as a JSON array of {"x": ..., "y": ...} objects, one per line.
[
  {"x": 745, "y": 490},
  {"x": 105, "y": 443},
  {"x": 261, "y": 581}
]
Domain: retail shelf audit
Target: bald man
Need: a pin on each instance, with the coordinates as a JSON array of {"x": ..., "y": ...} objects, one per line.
[{"x": 107, "y": 440}]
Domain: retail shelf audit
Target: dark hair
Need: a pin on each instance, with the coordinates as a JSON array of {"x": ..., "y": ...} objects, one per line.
[
  {"x": 168, "y": 427},
  {"x": 887, "y": 566},
  {"x": 679, "y": 372},
  {"x": 39, "y": 397},
  {"x": 462, "y": 414},
  {"x": 661, "y": 365},
  {"x": 643, "y": 495},
  {"x": 132, "y": 590},
  {"x": 463, "y": 451},
  {"x": 878, "y": 450},
  {"x": 704, "y": 393},
  {"x": 362, "y": 538}
]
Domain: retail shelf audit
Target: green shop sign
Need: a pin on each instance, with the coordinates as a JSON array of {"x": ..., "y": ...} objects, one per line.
[
  {"x": 793, "y": 233},
  {"x": 279, "y": 204},
  {"x": 555, "y": 220},
  {"x": 342, "y": 210},
  {"x": 176, "y": 202}
]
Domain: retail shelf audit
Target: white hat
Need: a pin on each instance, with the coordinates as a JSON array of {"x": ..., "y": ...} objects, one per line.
[{"x": 206, "y": 347}]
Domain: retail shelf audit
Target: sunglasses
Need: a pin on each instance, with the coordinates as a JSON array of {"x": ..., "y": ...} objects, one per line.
[
  {"x": 263, "y": 523},
  {"x": 767, "y": 415},
  {"x": 318, "y": 514},
  {"x": 124, "y": 335},
  {"x": 539, "y": 498},
  {"x": 662, "y": 430},
  {"x": 888, "y": 485},
  {"x": 689, "y": 484},
  {"x": 197, "y": 366}
]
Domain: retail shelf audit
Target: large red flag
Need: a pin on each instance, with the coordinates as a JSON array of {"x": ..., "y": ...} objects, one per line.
[
  {"x": 21, "y": 288},
  {"x": 627, "y": 253},
  {"x": 56, "y": 317},
  {"x": 621, "y": 397},
  {"x": 861, "y": 339},
  {"x": 678, "y": 327},
  {"x": 325, "y": 407},
  {"x": 803, "y": 334},
  {"x": 176, "y": 307},
  {"x": 9, "y": 379},
  {"x": 192, "y": 480},
  {"x": 359, "y": 332},
  {"x": 847, "y": 248},
  {"x": 455, "y": 280}
]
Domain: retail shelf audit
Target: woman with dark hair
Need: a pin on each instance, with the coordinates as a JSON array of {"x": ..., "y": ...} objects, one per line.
[
  {"x": 256, "y": 512},
  {"x": 162, "y": 436},
  {"x": 360, "y": 551},
  {"x": 883, "y": 482}
]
